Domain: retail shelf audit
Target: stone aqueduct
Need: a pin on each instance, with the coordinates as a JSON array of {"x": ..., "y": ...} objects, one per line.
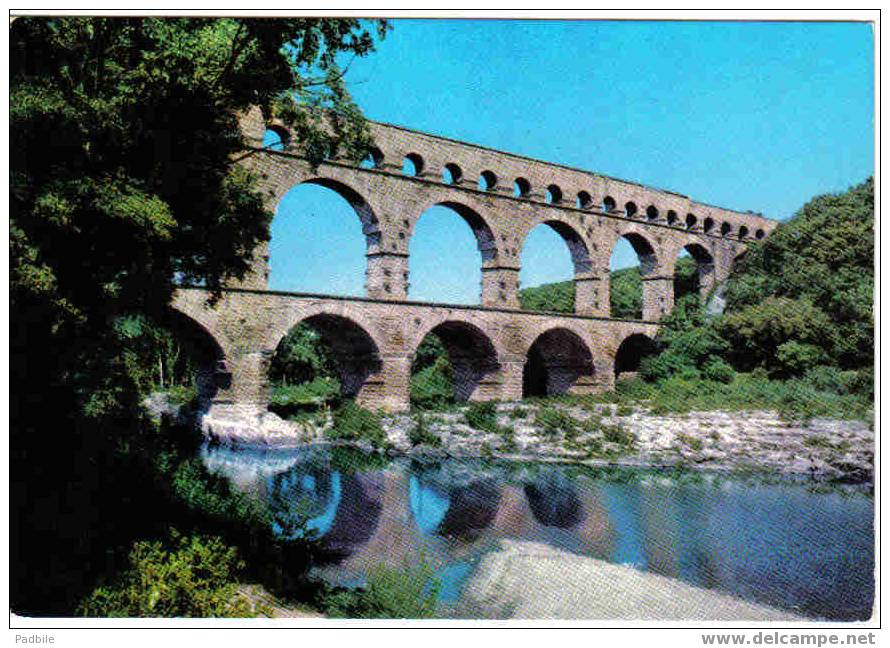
[{"x": 502, "y": 197}]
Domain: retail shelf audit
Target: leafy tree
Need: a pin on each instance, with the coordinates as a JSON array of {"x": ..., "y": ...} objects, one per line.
[
  {"x": 124, "y": 177},
  {"x": 302, "y": 356},
  {"x": 626, "y": 294},
  {"x": 558, "y": 297}
]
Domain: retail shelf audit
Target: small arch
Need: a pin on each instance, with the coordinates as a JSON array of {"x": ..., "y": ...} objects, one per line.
[
  {"x": 521, "y": 188},
  {"x": 708, "y": 224},
  {"x": 557, "y": 362},
  {"x": 630, "y": 354},
  {"x": 412, "y": 165},
  {"x": 759, "y": 234},
  {"x": 373, "y": 160},
  {"x": 584, "y": 200},
  {"x": 488, "y": 181},
  {"x": 630, "y": 209},
  {"x": 276, "y": 138},
  {"x": 691, "y": 220},
  {"x": 652, "y": 212},
  {"x": 743, "y": 232},
  {"x": 452, "y": 174},
  {"x": 609, "y": 204},
  {"x": 199, "y": 358},
  {"x": 554, "y": 194},
  {"x": 472, "y": 355},
  {"x": 672, "y": 217},
  {"x": 725, "y": 228}
]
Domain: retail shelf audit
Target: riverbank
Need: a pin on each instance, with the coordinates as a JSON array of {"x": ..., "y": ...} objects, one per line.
[{"x": 600, "y": 434}]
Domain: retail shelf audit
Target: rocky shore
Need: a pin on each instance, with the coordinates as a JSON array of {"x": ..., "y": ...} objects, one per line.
[{"x": 753, "y": 441}]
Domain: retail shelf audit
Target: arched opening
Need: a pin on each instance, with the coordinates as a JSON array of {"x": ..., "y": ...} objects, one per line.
[
  {"x": 693, "y": 272},
  {"x": 672, "y": 217},
  {"x": 276, "y": 138},
  {"x": 584, "y": 200},
  {"x": 691, "y": 221},
  {"x": 319, "y": 362},
  {"x": 454, "y": 362},
  {"x": 631, "y": 353},
  {"x": 630, "y": 209},
  {"x": 488, "y": 181},
  {"x": 187, "y": 362},
  {"x": 521, "y": 188},
  {"x": 652, "y": 212},
  {"x": 553, "y": 255},
  {"x": 725, "y": 229},
  {"x": 315, "y": 246},
  {"x": 554, "y": 194},
  {"x": 451, "y": 174},
  {"x": 743, "y": 232},
  {"x": 759, "y": 234},
  {"x": 412, "y": 165},
  {"x": 609, "y": 204},
  {"x": 708, "y": 225},
  {"x": 373, "y": 160},
  {"x": 558, "y": 362},
  {"x": 445, "y": 258},
  {"x": 633, "y": 258}
]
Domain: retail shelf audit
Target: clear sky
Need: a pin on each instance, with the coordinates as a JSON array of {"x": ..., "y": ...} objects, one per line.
[{"x": 758, "y": 116}]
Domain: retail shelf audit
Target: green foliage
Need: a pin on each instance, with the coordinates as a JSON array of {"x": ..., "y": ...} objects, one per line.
[
  {"x": 302, "y": 357},
  {"x": 433, "y": 386},
  {"x": 354, "y": 423},
  {"x": 557, "y": 297},
  {"x": 718, "y": 370},
  {"x": 626, "y": 294},
  {"x": 420, "y": 433},
  {"x": 191, "y": 576},
  {"x": 390, "y": 593},
  {"x": 553, "y": 422},
  {"x": 794, "y": 358},
  {"x": 296, "y": 401},
  {"x": 823, "y": 257},
  {"x": 482, "y": 416}
]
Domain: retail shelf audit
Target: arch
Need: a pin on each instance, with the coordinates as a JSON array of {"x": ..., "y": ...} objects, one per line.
[
  {"x": 708, "y": 225},
  {"x": 630, "y": 209},
  {"x": 373, "y": 160},
  {"x": 578, "y": 249},
  {"x": 412, "y": 165},
  {"x": 609, "y": 204},
  {"x": 627, "y": 297},
  {"x": 554, "y": 194},
  {"x": 485, "y": 238},
  {"x": 557, "y": 362},
  {"x": 691, "y": 220},
  {"x": 354, "y": 350},
  {"x": 652, "y": 212},
  {"x": 488, "y": 181},
  {"x": 521, "y": 188},
  {"x": 363, "y": 209},
  {"x": 630, "y": 354},
  {"x": 452, "y": 174},
  {"x": 473, "y": 356},
  {"x": 725, "y": 228},
  {"x": 759, "y": 234},
  {"x": 584, "y": 200},
  {"x": 743, "y": 232},
  {"x": 206, "y": 357},
  {"x": 644, "y": 248},
  {"x": 702, "y": 280},
  {"x": 276, "y": 138},
  {"x": 672, "y": 217}
]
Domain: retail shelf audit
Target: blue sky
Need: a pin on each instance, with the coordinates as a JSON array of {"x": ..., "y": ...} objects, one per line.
[{"x": 758, "y": 116}]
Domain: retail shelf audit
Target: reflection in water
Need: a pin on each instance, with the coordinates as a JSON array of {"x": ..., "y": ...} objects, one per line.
[{"x": 778, "y": 544}]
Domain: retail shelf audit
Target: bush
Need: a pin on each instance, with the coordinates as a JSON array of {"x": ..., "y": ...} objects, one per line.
[
  {"x": 188, "y": 577},
  {"x": 390, "y": 593},
  {"x": 719, "y": 371},
  {"x": 483, "y": 416},
  {"x": 291, "y": 400},
  {"x": 554, "y": 422},
  {"x": 794, "y": 358},
  {"x": 432, "y": 387},
  {"x": 354, "y": 423},
  {"x": 420, "y": 434}
]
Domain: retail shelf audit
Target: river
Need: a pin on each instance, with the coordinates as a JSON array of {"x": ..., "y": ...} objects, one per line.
[{"x": 790, "y": 544}]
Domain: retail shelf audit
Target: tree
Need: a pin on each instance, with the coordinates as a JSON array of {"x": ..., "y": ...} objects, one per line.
[{"x": 124, "y": 176}]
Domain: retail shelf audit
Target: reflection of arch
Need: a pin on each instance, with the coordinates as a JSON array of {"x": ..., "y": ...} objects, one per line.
[
  {"x": 556, "y": 361},
  {"x": 358, "y": 514},
  {"x": 308, "y": 492},
  {"x": 370, "y": 224},
  {"x": 355, "y": 351},
  {"x": 631, "y": 352},
  {"x": 577, "y": 247},
  {"x": 553, "y": 500},
  {"x": 471, "y": 352},
  {"x": 472, "y": 508}
]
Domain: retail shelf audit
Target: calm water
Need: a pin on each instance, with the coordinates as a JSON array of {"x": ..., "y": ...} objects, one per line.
[{"x": 783, "y": 544}]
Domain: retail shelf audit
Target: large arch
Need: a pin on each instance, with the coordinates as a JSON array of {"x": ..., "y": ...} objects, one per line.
[
  {"x": 206, "y": 359},
  {"x": 356, "y": 353},
  {"x": 703, "y": 279},
  {"x": 579, "y": 252},
  {"x": 630, "y": 354},
  {"x": 474, "y": 358},
  {"x": 557, "y": 362},
  {"x": 655, "y": 290}
]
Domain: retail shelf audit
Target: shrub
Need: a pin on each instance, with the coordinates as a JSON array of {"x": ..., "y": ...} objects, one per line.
[
  {"x": 432, "y": 387},
  {"x": 291, "y": 400},
  {"x": 554, "y": 422},
  {"x": 390, "y": 593},
  {"x": 794, "y": 358},
  {"x": 188, "y": 577},
  {"x": 420, "y": 433},
  {"x": 719, "y": 371},
  {"x": 618, "y": 435},
  {"x": 354, "y": 423},
  {"x": 482, "y": 416}
]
